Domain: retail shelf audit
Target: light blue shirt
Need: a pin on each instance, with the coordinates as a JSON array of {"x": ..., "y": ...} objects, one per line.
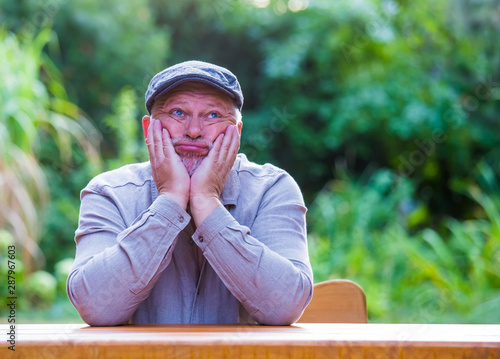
[{"x": 140, "y": 259}]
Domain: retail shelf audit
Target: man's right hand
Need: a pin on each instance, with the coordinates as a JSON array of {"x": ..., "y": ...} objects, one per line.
[{"x": 169, "y": 173}]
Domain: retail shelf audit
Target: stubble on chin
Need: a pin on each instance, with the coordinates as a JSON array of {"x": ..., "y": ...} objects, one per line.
[{"x": 192, "y": 160}]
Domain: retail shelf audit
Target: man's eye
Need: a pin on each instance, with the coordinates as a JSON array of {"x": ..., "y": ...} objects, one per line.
[
  {"x": 213, "y": 115},
  {"x": 177, "y": 112}
]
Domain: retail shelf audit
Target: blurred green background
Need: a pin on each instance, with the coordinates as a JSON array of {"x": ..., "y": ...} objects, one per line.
[{"x": 385, "y": 112}]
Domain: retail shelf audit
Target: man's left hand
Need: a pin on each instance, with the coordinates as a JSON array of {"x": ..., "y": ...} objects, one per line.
[{"x": 209, "y": 178}]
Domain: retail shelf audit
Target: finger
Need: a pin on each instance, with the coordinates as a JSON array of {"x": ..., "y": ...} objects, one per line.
[
  {"x": 230, "y": 145},
  {"x": 235, "y": 142},
  {"x": 225, "y": 144},
  {"x": 157, "y": 139},
  {"x": 215, "y": 151},
  {"x": 168, "y": 147},
  {"x": 150, "y": 140}
]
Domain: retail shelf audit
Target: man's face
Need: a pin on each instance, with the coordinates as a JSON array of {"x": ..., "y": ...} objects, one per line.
[{"x": 194, "y": 114}]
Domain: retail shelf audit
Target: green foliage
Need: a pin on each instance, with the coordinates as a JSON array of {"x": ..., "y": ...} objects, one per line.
[
  {"x": 67, "y": 180},
  {"x": 6, "y": 240},
  {"x": 61, "y": 272},
  {"x": 392, "y": 84},
  {"x": 359, "y": 230},
  {"x": 33, "y": 110},
  {"x": 107, "y": 46},
  {"x": 41, "y": 295},
  {"x": 40, "y": 289},
  {"x": 103, "y": 45},
  {"x": 403, "y": 96},
  {"x": 124, "y": 125}
]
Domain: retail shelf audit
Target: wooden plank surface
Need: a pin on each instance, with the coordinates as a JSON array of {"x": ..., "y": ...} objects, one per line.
[{"x": 233, "y": 341}]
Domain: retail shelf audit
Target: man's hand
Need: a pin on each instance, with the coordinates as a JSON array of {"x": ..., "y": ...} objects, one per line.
[
  {"x": 169, "y": 173},
  {"x": 209, "y": 178}
]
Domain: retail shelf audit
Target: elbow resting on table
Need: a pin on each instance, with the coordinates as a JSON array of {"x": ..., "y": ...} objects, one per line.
[
  {"x": 286, "y": 309},
  {"x": 94, "y": 309}
]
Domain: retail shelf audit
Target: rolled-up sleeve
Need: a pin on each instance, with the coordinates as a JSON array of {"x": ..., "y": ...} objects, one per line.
[{"x": 116, "y": 266}]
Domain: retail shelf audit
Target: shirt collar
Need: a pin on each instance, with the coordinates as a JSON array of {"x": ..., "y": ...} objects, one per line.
[{"x": 231, "y": 190}]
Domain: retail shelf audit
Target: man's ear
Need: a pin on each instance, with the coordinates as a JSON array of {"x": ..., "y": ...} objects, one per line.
[
  {"x": 145, "y": 124},
  {"x": 240, "y": 125}
]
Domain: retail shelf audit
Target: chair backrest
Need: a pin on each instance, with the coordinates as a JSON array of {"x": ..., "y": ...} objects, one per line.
[{"x": 336, "y": 301}]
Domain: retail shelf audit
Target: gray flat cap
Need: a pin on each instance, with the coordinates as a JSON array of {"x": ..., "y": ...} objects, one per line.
[{"x": 214, "y": 75}]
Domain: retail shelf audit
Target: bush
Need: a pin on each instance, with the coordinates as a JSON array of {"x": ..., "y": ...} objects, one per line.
[
  {"x": 40, "y": 289},
  {"x": 406, "y": 89},
  {"x": 365, "y": 231},
  {"x": 34, "y": 110},
  {"x": 61, "y": 270}
]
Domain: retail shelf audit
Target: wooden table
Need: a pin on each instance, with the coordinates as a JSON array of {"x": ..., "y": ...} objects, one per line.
[{"x": 304, "y": 341}]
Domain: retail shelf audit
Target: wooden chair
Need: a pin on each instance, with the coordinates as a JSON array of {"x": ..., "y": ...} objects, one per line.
[{"x": 336, "y": 301}]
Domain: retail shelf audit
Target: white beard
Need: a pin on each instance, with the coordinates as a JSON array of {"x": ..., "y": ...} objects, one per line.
[{"x": 190, "y": 160}]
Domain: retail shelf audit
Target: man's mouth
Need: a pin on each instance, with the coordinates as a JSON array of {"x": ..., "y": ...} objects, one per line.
[{"x": 195, "y": 148}]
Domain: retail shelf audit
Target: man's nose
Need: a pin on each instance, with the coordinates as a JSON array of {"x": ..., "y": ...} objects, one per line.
[{"x": 194, "y": 127}]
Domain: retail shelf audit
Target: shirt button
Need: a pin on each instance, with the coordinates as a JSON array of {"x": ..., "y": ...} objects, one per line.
[
  {"x": 200, "y": 238},
  {"x": 180, "y": 218}
]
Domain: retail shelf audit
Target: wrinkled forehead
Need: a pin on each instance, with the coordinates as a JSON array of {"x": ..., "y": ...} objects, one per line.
[{"x": 197, "y": 90}]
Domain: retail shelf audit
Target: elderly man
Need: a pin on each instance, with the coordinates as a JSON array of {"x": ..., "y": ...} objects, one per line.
[{"x": 198, "y": 234}]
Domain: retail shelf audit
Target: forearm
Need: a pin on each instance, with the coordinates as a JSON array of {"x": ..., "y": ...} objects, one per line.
[
  {"x": 272, "y": 288},
  {"x": 201, "y": 207},
  {"x": 107, "y": 285}
]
